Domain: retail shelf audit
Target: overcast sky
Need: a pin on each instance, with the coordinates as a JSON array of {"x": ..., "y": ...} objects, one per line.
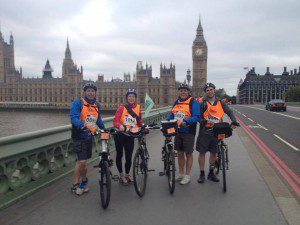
[{"x": 109, "y": 37}]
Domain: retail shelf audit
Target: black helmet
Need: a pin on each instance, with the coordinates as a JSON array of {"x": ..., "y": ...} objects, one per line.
[
  {"x": 131, "y": 91},
  {"x": 184, "y": 86},
  {"x": 89, "y": 85},
  {"x": 207, "y": 85}
]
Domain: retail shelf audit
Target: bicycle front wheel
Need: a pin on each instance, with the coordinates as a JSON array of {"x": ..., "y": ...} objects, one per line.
[
  {"x": 171, "y": 170},
  {"x": 105, "y": 184},
  {"x": 223, "y": 161},
  {"x": 140, "y": 170}
]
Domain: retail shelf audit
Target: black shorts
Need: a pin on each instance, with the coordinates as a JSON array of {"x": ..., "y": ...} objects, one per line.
[
  {"x": 83, "y": 149},
  {"x": 206, "y": 142},
  {"x": 184, "y": 142}
]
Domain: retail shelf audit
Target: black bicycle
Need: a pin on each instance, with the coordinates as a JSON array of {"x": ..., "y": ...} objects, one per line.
[
  {"x": 104, "y": 165},
  {"x": 141, "y": 158},
  {"x": 221, "y": 131},
  {"x": 169, "y": 130}
]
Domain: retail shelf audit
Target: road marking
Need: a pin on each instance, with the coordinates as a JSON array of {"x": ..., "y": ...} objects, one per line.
[
  {"x": 244, "y": 115},
  {"x": 262, "y": 127},
  {"x": 282, "y": 168},
  {"x": 251, "y": 126},
  {"x": 250, "y": 119},
  {"x": 297, "y": 118},
  {"x": 292, "y": 146}
]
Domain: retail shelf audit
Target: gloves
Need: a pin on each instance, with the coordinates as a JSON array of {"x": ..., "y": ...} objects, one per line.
[
  {"x": 235, "y": 123},
  {"x": 86, "y": 131}
]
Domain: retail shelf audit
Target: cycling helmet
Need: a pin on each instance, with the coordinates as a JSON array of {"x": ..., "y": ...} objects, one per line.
[
  {"x": 89, "y": 85},
  {"x": 131, "y": 91},
  {"x": 184, "y": 86},
  {"x": 207, "y": 85}
]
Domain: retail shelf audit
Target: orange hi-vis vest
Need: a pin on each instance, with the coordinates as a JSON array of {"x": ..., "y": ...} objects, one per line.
[
  {"x": 127, "y": 120},
  {"x": 181, "y": 110},
  {"x": 213, "y": 114},
  {"x": 89, "y": 115},
  {"x": 200, "y": 99}
]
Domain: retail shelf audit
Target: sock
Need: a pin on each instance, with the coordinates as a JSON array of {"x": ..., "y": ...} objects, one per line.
[
  {"x": 202, "y": 173},
  {"x": 211, "y": 168}
]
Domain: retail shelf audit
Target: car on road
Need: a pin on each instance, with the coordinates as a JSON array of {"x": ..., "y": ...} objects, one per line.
[{"x": 276, "y": 104}]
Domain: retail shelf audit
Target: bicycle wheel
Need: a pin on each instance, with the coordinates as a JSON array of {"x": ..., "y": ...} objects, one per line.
[
  {"x": 139, "y": 173},
  {"x": 223, "y": 160},
  {"x": 171, "y": 170},
  {"x": 218, "y": 163},
  {"x": 105, "y": 184}
]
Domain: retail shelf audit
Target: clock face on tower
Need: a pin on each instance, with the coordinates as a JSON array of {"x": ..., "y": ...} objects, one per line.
[{"x": 198, "y": 52}]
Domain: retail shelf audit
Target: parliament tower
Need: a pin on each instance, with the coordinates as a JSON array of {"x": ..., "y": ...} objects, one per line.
[{"x": 199, "y": 51}]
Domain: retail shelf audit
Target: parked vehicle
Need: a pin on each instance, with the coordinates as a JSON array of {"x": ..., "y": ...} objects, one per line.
[{"x": 276, "y": 104}]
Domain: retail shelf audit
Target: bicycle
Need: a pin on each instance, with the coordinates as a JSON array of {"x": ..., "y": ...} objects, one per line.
[
  {"x": 104, "y": 165},
  {"x": 141, "y": 158},
  {"x": 169, "y": 130},
  {"x": 222, "y": 131}
]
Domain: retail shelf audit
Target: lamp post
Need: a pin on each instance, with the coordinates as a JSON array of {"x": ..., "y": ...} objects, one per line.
[{"x": 188, "y": 76}]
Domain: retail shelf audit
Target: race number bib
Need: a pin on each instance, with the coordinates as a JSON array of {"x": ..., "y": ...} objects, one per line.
[
  {"x": 212, "y": 119},
  {"x": 129, "y": 121},
  {"x": 90, "y": 121},
  {"x": 179, "y": 116}
]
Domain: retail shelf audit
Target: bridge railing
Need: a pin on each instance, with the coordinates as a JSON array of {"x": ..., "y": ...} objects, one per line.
[{"x": 33, "y": 160}]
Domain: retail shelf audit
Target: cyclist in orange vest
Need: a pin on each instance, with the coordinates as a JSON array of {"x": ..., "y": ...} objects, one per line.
[
  {"x": 187, "y": 112},
  {"x": 212, "y": 111},
  {"x": 127, "y": 116},
  {"x": 85, "y": 117}
]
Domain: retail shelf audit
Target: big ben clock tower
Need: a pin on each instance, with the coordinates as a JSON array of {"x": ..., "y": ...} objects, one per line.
[{"x": 199, "y": 62}]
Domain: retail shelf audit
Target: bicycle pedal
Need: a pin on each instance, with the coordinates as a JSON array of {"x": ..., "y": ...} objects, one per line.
[
  {"x": 161, "y": 174},
  {"x": 151, "y": 170}
]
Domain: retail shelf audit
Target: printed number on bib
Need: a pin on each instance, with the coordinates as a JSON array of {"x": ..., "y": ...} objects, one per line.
[
  {"x": 212, "y": 119},
  {"x": 179, "y": 116},
  {"x": 129, "y": 121},
  {"x": 90, "y": 121}
]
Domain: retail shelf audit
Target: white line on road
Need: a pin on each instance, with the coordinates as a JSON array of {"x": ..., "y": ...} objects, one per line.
[
  {"x": 262, "y": 127},
  {"x": 297, "y": 118},
  {"x": 250, "y": 119},
  {"x": 292, "y": 146},
  {"x": 244, "y": 115}
]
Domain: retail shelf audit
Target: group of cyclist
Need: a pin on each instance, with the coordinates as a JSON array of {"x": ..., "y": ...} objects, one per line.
[{"x": 188, "y": 111}]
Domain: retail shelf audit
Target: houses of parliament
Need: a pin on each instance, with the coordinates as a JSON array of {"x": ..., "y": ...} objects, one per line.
[{"x": 60, "y": 92}]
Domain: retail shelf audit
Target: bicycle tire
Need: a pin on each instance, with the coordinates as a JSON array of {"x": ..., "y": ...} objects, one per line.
[
  {"x": 223, "y": 168},
  {"x": 171, "y": 170},
  {"x": 105, "y": 184},
  {"x": 218, "y": 163},
  {"x": 139, "y": 173}
]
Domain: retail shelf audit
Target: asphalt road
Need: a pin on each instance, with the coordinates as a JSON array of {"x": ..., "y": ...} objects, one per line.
[
  {"x": 248, "y": 200},
  {"x": 279, "y": 131}
]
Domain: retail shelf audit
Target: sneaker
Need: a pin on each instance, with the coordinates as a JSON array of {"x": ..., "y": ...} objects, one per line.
[
  {"x": 186, "y": 179},
  {"x": 77, "y": 189},
  {"x": 179, "y": 177},
  {"x": 84, "y": 186},
  {"x": 201, "y": 178},
  {"x": 128, "y": 178},
  {"x": 123, "y": 180},
  {"x": 211, "y": 176}
]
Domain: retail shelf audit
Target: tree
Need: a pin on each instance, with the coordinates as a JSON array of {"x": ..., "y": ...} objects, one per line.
[{"x": 293, "y": 94}]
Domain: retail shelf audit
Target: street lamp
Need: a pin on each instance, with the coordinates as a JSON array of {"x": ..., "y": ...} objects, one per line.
[{"x": 188, "y": 76}]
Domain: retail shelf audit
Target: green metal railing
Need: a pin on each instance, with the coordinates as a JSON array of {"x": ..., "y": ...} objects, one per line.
[{"x": 33, "y": 160}]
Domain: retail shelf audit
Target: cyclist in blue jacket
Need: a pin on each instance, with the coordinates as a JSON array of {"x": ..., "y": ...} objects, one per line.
[
  {"x": 85, "y": 117},
  {"x": 186, "y": 110}
]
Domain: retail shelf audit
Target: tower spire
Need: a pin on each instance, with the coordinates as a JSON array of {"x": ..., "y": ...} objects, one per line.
[{"x": 68, "y": 51}]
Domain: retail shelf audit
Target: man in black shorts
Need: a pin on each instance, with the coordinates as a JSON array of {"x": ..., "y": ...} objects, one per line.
[
  {"x": 85, "y": 117},
  {"x": 187, "y": 113},
  {"x": 212, "y": 111}
]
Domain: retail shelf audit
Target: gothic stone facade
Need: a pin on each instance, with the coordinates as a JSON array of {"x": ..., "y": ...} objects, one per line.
[
  {"x": 60, "y": 92},
  {"x": 263, "y": 88}
]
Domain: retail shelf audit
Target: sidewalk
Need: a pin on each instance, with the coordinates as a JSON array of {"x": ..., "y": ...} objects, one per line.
[{"x": 247, "y": 201}]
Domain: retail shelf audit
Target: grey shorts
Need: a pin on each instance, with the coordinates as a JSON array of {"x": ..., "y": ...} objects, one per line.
[
  {"x": 184, "y": 142},
  {"x": 83, "y": 149},
  {"x": 206, "y": 142}
]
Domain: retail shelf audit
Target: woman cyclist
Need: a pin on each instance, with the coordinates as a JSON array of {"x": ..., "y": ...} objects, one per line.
[{"x": 127, "y": 116}]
